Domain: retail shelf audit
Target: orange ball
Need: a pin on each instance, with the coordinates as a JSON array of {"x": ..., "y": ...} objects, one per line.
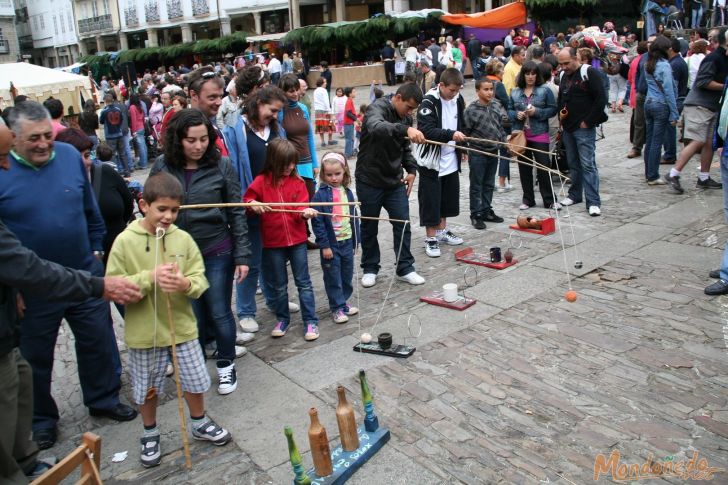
[{"x": 570, "y": 296}]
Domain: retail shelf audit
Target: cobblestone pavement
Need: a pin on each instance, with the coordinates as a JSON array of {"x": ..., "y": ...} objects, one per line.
[{"x": 521, "y": 388}]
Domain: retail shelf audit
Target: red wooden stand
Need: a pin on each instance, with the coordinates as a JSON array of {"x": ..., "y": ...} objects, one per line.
[
  {"x": 548, "y": 226},
  {"x": 468, "y": 256},
  {"x": 435, "y": 298}
]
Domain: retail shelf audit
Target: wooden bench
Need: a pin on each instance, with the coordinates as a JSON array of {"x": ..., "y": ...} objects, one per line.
[{"x": 88, "y": 455}]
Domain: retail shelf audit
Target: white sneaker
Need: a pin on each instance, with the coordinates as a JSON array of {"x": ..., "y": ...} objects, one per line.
[
  {"x": 449, "y": 237},
  {"x": 412, "y": 278},
  {"x": 369, "y": 280},
  {"x": 293, "y": 307},
  {"x": 432, "y": 248},
  {"x": 240, "y": 351},
  {"x": 244, "y": 337},
  {"x": 595, "y": 211},
  {"x": 249, "y": 325},
  {"x": 258, "y": 291},
  {"x": 351, "y": 310},
  {"x": 566, "y": 202},
  {"x": 227, "y": 380}
]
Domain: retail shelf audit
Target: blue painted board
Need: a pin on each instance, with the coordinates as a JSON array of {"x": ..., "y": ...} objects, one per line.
[{"x": 347, "y": 462}]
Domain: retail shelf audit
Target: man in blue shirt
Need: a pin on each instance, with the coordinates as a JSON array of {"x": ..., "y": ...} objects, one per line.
[{"x": 49, "y": 205}]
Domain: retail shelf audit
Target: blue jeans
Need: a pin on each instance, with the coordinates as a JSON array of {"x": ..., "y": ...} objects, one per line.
[
  {"x": 696, "y": 16},
  {"x": 482, "y": 183},
  {"x": 338, "y": 274},
  {"x": 395, "y": 202},
  {"x": 214, "y": 305},
  {"x": 656, "y": 119},
  {"x": 670, "y": 142},
  {"x": 141, "y": 146},
  {"x": 580, "y": 146},
  {"x": 127, "y": 149},
  {"x": 476, "y": 73},
  {"x": 349, "y": 140},
  {"x": 245, "y": 305},
  {"x": 123, "y": 162},
  {"x": 724, "y": 176},
  {"x": 504, "y": 164},
  {"x": 276, "y": 274}
]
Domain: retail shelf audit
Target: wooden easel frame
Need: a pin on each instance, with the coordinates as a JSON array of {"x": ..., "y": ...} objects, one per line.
[{"x": 88, "y": 455}]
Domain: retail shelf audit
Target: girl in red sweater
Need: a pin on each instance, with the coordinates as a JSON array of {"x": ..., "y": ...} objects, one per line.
[
  {"x": 350, "y": 119},
  {"x": 284, "y": 234}
]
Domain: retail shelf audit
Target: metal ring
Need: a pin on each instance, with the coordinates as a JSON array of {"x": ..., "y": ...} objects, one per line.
[
  {"x": 465, "y": 276},
  {"x": 160, "y": 232},
  {"x": 520, "y": 241},
  {"x": 409, "y": 328}
]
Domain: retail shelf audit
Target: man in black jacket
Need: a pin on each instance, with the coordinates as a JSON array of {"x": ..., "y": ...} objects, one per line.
[
  {"x": 384, "y": 151},
  {"x": 440, "y": 118},
  {"x": 21, "y": 269},
  {"x": 473, "y": 49}
]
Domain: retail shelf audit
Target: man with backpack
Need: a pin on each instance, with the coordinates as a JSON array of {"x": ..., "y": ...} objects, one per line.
[
  {"x": 581, "y": 108},
  {"x": 114, "y": 121}
]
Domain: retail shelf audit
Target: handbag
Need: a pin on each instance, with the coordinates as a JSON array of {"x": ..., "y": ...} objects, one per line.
[{"x": 517, "y": 142}]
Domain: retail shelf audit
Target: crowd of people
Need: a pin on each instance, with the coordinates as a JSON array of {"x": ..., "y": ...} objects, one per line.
[{"x": 225, "y": 133}]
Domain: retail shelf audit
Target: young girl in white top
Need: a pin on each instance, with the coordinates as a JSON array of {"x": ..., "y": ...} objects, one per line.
[{"x": 339, "y": 108}]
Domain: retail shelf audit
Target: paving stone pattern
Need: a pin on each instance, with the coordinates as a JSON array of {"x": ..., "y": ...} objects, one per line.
[{"x": 523, "y": 387}]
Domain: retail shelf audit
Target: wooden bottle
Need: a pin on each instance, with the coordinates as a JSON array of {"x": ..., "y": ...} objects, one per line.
[
  {"x": 347, "y": 422},
  {"x": 320, "y": 451},
  {"x": 301, "y": 477}
]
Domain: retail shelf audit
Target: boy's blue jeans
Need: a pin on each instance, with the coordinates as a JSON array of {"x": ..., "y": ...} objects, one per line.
[
  {"x": 214, "y": 305},
  {"x": 348, "y": 140},
  {"x": 276, "y": 276},
  {"x": 339, "y": 273}
]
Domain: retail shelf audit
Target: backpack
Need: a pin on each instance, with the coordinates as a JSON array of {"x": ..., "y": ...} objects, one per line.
[{"x": 583, "y": 71}]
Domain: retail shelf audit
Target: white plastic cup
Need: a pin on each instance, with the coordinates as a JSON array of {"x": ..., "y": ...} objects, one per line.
[{"x": 450, "y": 292}]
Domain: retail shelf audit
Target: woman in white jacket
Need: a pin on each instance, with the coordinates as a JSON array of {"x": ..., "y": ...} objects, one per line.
[{"x": 322, "y": 109}]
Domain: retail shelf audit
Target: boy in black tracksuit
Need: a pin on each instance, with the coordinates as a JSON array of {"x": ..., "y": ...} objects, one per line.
[{"x": 440, "y": 119}]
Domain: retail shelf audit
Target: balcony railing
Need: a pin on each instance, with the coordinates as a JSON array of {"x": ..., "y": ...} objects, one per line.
[
  {"x": 200, "y": 7},
  {"x": 151, "y": 11},
  {"x": 130, "y": 14},
  {"x": 174, "y": 9},
  {"x": 4, "y": 47},
  {"x": 95, "y": 24}
]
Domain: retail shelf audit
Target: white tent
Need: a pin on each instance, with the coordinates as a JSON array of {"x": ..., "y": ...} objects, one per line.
[{"x": 39, "y": 83}]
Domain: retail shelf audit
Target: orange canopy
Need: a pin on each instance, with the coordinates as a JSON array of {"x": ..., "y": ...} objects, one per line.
[{"x": 505, "y": 17}]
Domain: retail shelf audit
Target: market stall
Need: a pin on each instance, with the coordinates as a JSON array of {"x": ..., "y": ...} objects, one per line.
[{"x": 39, "y": 83}]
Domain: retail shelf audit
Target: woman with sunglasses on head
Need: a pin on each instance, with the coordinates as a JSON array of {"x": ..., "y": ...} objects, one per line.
[{"x": 530, "y": 106}]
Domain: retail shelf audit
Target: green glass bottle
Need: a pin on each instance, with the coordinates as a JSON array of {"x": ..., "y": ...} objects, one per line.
[
  {"x": 301, "y": 477},
  {"x": 371, "y": 422}
]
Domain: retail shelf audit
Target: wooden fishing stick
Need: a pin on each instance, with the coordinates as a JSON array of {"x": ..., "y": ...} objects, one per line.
[
  {"x": 272, "y": 204},
  {"x": 402, "y": 221},
  {"x": 182, "y": 420},
  {"x": 496, "y": 142},
  {"x": 533, "y": 164}
]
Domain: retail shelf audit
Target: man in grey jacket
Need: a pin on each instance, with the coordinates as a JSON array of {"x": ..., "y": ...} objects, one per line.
[{"x": 21, "y": 269}]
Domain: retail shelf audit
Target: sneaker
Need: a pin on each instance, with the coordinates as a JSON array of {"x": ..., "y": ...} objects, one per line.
[
  {"x": 368, "y": 280},
  {"x": 491, "y": 216},
  {"x": 258, "y": 290},
  {"x": 500, "y": 189},
  {"x": 333, "y": 142},
  {"x": 169, "y": 370},
  {"x": 595, "y": 211},
  {"x": 244, "y": 337},
  {"x": 709, "y": 183},
  {"x": 210, "y": 431},
  {"x": 248, "y": 324},
  {"x": 151, "y": 454},
  {"x": 312, "y": 332},
  {"x": 556, "y": 206},
  {"x": 720, "y": 287},
  {"x": 657, "y": 181},
  {"x": 339, "y": 317},
  {"x": 42, "y": 466},
  {"x": 673, "y": 183},
  {"x": 432, "y": 248},
  {"x": 350, "y": 310},
  {"x": 477, "y": 223},
  {"x": 634, "y": 153},
  {"x": 211, "y": 351},
  {"x": 227, "y": 380},
  {"x": 240, "y": 351},
  {"x": 449, "y": 237},
  {"x": 567, "y": 202},
  {"x": 508, "y": 187},
  {"x": 280, "y": 329},
  {"x": 412, "y": 278},
  {"x": 715, "y": 274},
  {"x": 524, "y": 207},
  {"x": 293, "y": 307}
]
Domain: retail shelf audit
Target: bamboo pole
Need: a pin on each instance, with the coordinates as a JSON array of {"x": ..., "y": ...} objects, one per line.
[
  {"x": 271, "y": 204},
  {"x": 496, "y": 142},
  {"x": 402, "y": 221}
]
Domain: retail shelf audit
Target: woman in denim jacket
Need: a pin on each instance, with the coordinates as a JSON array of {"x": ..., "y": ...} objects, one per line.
[
  {"x": 530, "y": 106},
  {"x": 660, "y": 106}
]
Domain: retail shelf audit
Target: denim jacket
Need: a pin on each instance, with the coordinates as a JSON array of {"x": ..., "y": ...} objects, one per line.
[
  {"x": 662, "y": 88},
  {"x": 544, "y": 102},
  {"x": 323, "y": 228}
]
